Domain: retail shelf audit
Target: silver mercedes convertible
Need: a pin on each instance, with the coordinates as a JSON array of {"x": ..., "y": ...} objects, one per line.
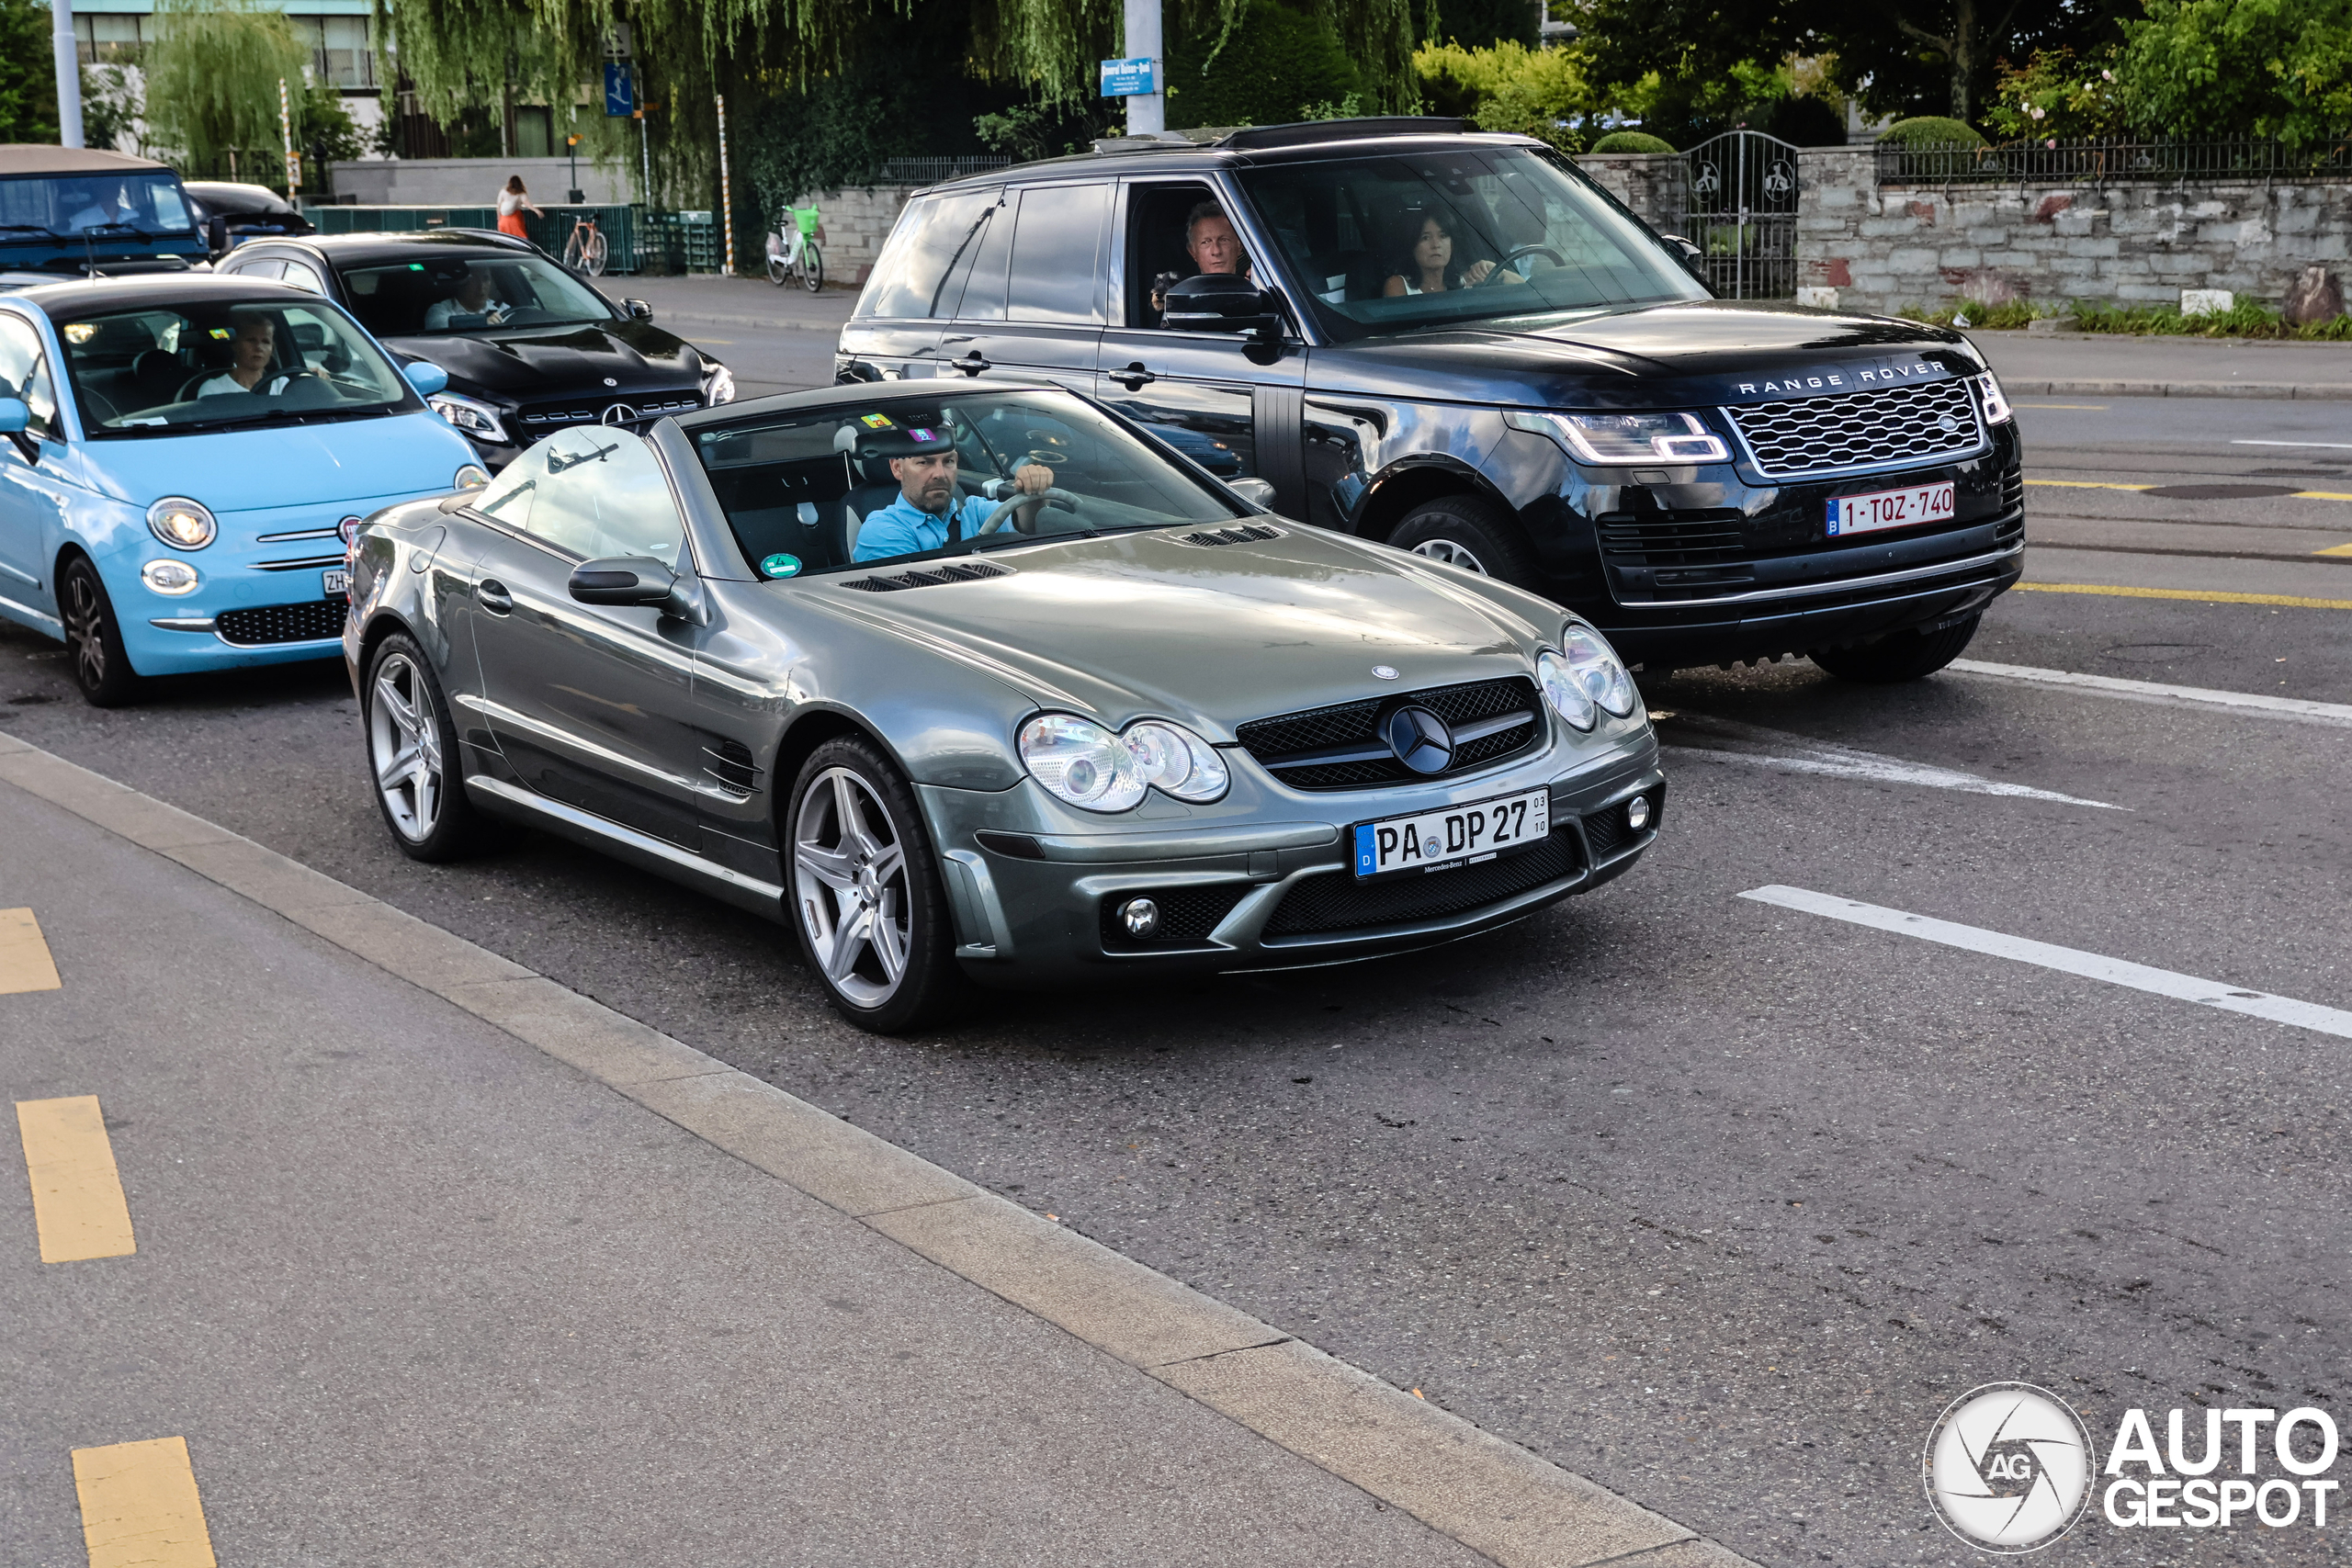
[{"x": 984, "y": 684}]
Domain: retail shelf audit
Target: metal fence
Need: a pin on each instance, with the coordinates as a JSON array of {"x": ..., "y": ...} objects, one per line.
[
  {"x": 931, "y": 171},
  {"x": 2110, "y": 161},
  {"x": 1739, "y": 206},
  {"x": 620, "y": 225}
]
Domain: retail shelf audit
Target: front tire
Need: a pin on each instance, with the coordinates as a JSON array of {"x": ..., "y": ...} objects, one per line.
[
  {"x": 812, "y": 266},
  {"x": 1467, "y": 531},
  {"x": 101, "y": 664},
  {"x": 413, "y": 756},
  {"x": 1904, "y": 656},
  {"x": 867, "y": 899},
  {"x": 778, "y": 273}
]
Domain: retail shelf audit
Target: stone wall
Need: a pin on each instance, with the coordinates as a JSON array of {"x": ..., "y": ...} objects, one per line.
[
  {"x": 857, "y": 223},
  {"x": 1651, "y": 183},
  {"x": 1864, "y": 247}
]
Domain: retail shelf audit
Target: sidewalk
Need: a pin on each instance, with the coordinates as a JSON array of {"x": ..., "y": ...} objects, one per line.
[
  {"x": 736, "y": 302},
  {"x": 438, "y": 1262},
  {"x": 2111, "y": 365}
]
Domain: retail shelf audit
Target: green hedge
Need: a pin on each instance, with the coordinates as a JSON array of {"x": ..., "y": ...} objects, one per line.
[
  {"x": 1632, "y": 142},
  {"x": 1931, "y": 130}
]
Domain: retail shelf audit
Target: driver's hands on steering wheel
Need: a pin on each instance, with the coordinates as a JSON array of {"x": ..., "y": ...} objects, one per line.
[
  {"x": 1476, "y": 272},
  {"x": 1033, "y": 478}
]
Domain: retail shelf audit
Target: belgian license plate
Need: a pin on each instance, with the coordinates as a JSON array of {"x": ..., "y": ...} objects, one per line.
[
  {"x": 336, "y": 584},
  {"x": 1435, "y": 841},
  {"x": 1889, "y": 509}
]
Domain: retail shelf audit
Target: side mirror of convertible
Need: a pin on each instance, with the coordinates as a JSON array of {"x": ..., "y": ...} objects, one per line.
[
  {"x": 426, "y": 376},
  {"x": 1221, "y": 303},
  {"x": 1259, "y": 494},
  {"x": 637, "y": 581}
]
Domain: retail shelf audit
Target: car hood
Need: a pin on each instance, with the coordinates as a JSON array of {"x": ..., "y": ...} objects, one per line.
[
  {"x": 356, "y": 464},
  {"x": 1145, "y": 624},
  {"x": 635, "y": 356},
  {"x": 1709, "y": 351}
]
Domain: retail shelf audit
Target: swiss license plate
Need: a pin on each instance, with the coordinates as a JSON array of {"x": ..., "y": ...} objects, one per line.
[
  {"x": 1889, "y": 509},
  {"x": 336, "y": 584},
  {"x": 1457, "y": 835}
]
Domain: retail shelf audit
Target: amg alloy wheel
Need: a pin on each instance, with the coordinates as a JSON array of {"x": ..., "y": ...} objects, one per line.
[
  {"x": 101, "y": 666},
  {"x": 866, "y": 892},
  {"x": 413, "y": 756}
]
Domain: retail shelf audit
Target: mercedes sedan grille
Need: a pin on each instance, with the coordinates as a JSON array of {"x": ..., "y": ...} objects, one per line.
[{"x": 1810, "y": 437}]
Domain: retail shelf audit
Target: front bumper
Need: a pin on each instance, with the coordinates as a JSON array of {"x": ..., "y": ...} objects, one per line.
[{"x": 1270, "y": 892}]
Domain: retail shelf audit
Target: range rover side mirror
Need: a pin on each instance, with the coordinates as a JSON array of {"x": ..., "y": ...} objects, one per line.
[
  {"x": 1220, "y": 302},
  {"x": 1690, "y": 255},
  {"x": 1258, "y": 492},
  {"x": 637, "y": 580}
]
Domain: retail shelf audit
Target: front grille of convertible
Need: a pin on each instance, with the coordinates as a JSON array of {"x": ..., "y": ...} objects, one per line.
[
  {"x": 1296, "y": 747},
  {"x": 1340, "y": 903},
  {"x": 312, "y": 621},
  {"x": 928, "y": 577},
  {"x": 1813, "y": 436},
  {"x": 1187, "y": 915}
]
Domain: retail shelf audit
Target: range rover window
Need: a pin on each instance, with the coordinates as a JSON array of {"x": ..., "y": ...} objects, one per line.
[
  {"x": 933, "y": 241},
  {"x": 1054, "y": 249},
  {"x": 1437, "y": 238}
]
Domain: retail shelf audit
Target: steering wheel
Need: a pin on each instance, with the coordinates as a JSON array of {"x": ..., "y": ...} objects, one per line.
[
  {"x": 1005, "y": 509},
  {"x": 1503, "y": 267}
]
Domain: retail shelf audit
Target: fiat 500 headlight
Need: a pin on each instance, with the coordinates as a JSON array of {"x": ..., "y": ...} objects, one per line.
[
  {"x": 470, "y": 476},
  {"x": 182, "y": 523},
  {"x": 1084, "y": 763}
]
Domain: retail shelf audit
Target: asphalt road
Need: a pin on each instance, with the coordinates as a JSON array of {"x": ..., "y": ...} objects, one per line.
[{"x": 1715, "y": 1200}]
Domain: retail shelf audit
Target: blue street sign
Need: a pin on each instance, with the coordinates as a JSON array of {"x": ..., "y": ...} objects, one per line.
[
  {"x": 1128, "y": 78},
  {"x": 620, "y": 88}
]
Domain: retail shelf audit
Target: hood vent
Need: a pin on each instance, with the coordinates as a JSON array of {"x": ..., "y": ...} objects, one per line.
[
  {"x": 929, "y": 577},
  {"x": 1248, "y": 532}
]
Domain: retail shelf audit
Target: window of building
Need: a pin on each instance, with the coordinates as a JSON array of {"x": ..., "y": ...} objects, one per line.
[
  {"x": 339, "y": 53},
  {"x": 105, "y": 38}
]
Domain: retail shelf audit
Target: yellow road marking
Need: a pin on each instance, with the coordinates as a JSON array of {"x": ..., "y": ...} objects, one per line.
[
  {"x": 25, "y": 964},
  {"x": 2335, "y": 550},
  {"x": 78, "y": 1206},
  {"x": 2188, "y": 594},
  {"x": 140, "y": 1506},
  {"x": 2094, "y": 407},
  {"x": 2320, "y": 495}
]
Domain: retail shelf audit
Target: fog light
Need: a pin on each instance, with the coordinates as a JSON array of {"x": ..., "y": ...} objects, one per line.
[
  {"x": 1141, "y": 917},
  {"x": 1637, "y": 813},
  {"x": 172, "y": 577}
]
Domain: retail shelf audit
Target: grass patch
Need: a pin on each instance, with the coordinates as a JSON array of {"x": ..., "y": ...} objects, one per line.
[{"x": 2246, "y": 319}]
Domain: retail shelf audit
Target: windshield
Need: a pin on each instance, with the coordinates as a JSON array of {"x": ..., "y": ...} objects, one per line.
[
  {"x": 902, "y": 481},
  {"x": 1460, "y": 234},
  {"x": 450, "y": 296},
  {"x": 143, "y": 203},
  {"x": 167, "y": 370}
]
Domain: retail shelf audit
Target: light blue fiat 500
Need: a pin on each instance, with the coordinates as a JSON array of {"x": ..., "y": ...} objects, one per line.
[{"x": 182, "y": 462}]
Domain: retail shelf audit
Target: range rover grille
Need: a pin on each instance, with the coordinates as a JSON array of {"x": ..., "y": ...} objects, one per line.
[
  {"x": 1295, "y": 747},
  {"x": 1812, "y": 436},
  {"x": 1678, "y": 538}
]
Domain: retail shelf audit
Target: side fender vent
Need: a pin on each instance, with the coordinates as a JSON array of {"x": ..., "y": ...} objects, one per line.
[
  {"x": 729, "y": 764},
  {"x": 1247, "y": 533},
  {"x": 929, "y": 577}
]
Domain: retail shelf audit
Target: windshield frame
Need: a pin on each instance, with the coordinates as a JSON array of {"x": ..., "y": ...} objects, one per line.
[
  {"x": 1237, "y": 509},
  {"x": 1335, "y": 326},
  {"x": 344, "y": 272}
]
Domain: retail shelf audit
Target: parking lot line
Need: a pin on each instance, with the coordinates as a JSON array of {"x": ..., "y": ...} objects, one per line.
[
  {"x": 2300, "y": 708},
  {"x": 140, "y": 1506},
  {"x": 2066, "y": 960},
  {"x": 25, "y": 962},
  {"x": 78, "y": 1206},
  {"x": 2194, "y": 595}
]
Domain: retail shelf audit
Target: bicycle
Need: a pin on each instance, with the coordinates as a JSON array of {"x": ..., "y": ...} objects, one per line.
[
  {"x": 585, "y": 251},
  {"x": 799, "y": 257}
]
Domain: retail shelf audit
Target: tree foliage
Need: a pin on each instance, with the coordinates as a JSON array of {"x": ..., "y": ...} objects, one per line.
[
  {"x": 2054, "y": 94},
  {"x": 1278, "y": 61},
  {"x": 28, "y": 79},
  {"x": 2208, "y": 68},
  {"x": 1509, "y": 87},
  {"x": 212, "y": 76}
]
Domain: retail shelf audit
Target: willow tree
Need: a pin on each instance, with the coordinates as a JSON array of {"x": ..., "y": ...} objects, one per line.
[{"x": 212, "y": 77}]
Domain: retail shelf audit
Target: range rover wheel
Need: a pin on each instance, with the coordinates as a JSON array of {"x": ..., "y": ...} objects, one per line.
[
  {"x": 1905, "y": 656},
  {"x": 1475, "y": 535},
  {"x": 101, "y": 667},
  {"x": 866, "y": 895},
  {"x": 413, "y": 756}
]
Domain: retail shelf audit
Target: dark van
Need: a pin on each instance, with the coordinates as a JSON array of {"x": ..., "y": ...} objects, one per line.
[
  {"x": 75, "y": 210},
  {"x": 1459, "y": 344}
]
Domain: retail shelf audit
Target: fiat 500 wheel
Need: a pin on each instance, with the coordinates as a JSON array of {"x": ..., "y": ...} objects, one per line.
[
  {"x": 1464, "y": 531},
  {"x": 866, "y": 895},
  {"x": 413, "y": 756},
  {"x": 101, "y": 666}
]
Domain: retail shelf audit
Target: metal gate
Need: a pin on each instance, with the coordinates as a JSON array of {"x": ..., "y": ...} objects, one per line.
[{"x": 1740, "y": 209}]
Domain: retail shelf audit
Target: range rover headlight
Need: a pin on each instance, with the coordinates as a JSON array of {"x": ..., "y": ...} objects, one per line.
[
  {"x": 1627, "y": 437},
  {"x": 1996, "y": 402},
  {"x": 1090, "y": 767},
  {"x": 182, "y": 523},
  {"x": 1597, "y": 672}
]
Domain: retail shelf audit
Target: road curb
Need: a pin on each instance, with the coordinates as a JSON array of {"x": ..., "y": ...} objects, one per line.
[
  {"x": 759, "y": 323},
  {"x": 2297, "y": 391},
  {"x": 1502, "y": 1501}
]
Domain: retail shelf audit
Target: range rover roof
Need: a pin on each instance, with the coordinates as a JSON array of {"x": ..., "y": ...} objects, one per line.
[{"x": 1205, "y": 150}]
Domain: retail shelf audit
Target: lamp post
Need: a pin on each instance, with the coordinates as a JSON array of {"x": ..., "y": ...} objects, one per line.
[
  {"x": 1146, "y": 112},
  {"x": 68, "y": 54}
]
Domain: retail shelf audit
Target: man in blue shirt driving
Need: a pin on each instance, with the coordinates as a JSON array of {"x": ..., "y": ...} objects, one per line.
[{"x": 931, "y": 513}]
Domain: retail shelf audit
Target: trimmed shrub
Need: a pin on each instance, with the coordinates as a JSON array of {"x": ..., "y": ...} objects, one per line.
[
  {"x": 1931, "y": 130},
  {"x": 1632, "y": 142}
]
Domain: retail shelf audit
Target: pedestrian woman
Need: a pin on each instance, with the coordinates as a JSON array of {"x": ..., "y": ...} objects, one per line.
[{"x": 511, "y": 204}]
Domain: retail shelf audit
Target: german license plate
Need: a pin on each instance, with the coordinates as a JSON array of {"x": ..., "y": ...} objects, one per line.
[
  {"x": 1889, "y": 509},
  {"x": 336, "y": 584},
  {"x": 1436, "y": 840}
]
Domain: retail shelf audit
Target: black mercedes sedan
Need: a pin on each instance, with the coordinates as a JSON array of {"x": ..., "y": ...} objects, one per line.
[{"x": 530, "y": 348}]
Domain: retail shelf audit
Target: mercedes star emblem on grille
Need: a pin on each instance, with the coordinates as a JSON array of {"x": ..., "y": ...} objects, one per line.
[
  {"x": 1420, "y": 739},
  {"x": 619, "y": 413},
  {"x": 1384, "y": 673},
  {"x": 612, "y": 381}
]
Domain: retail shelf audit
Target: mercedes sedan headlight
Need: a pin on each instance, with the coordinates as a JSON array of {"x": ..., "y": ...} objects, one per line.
[
  {"x": 718, "y": 384},
  {"x": 476, "y": 418},
  {"x": 1606, "y": 438},
  {"x": 182, "y": 523},
  {"x": 1092, "y": 768}
]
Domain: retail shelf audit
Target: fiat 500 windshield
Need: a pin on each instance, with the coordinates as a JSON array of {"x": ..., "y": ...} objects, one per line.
[
  {"x": 1456, "y": 234},
  {"x": 170, "y": 369},
  {"x": 903, "y": 481}
]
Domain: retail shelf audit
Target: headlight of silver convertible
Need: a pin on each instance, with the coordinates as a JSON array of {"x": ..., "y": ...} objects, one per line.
[
  {"x": 1627, "y": 437},
  {"x": 182, "y": 523},
  {"x": 1560, "y": 689},
  {"x": 1090, "y": 767},
  {"x": 1597, "y": 672}
]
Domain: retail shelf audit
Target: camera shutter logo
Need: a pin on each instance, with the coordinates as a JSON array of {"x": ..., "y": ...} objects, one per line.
[{"x": 2009, "y": 1467}]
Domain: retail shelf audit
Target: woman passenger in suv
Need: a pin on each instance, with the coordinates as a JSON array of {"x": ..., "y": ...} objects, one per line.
[{"x": 1429, "y": 267}]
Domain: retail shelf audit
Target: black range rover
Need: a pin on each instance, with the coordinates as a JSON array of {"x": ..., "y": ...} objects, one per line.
[
  {"x": 530, "y": 349},
  {"x": 1458, "y": 343}
]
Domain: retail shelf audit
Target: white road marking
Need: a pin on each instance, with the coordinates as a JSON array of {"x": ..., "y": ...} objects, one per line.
[
  {"x": 2330, "y": 445},
  {"x": 2296, "y": 708},
  {"x": 1698, "y": 737},
  {"x": 2066, "y": 960}
]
